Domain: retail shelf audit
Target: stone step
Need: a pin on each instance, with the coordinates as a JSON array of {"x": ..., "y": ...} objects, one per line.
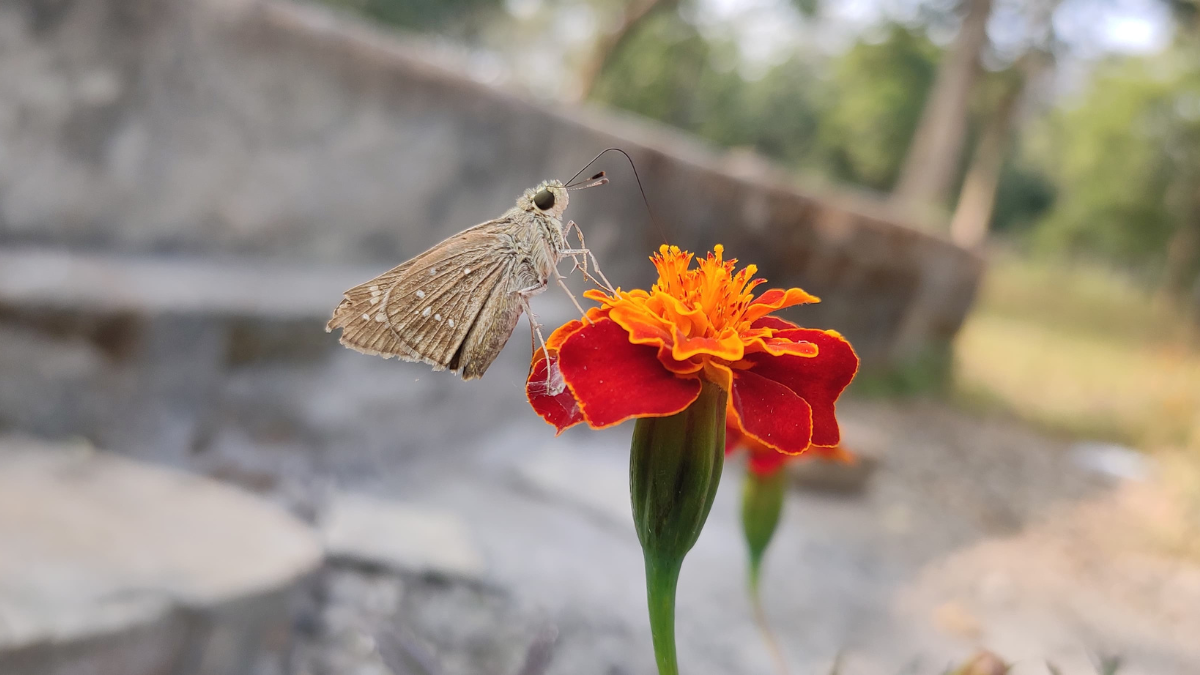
[
  {"x": 112, "y": 567},
  {"x": 98, "y": 284},
  {"x": 108, "y": 283}
]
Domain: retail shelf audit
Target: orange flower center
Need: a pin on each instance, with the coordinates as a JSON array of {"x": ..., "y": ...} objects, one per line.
[
  {"x": 712, "y": 289},
  {"x": 707, "y": 311}
]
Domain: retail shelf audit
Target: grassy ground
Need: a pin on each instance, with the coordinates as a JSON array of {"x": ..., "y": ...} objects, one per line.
[{"x": 1083, "y": 350}]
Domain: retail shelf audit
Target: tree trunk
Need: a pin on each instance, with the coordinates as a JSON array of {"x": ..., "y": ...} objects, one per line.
[
  {"x": 608, "y": 44},
  {"x": 1183, "y": 251},
  {"x": 932, "y": 158},
  {"x": 973, "y": 215}
]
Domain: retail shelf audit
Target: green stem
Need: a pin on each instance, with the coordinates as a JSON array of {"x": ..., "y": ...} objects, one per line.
[
  {"x": 661, "y": 582},
  {"x": 762, "y": 505},
  {"x": 764, "y": 627}
]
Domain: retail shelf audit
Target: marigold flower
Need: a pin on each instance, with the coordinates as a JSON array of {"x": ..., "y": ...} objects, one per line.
[{"x": 648, "y": 353}]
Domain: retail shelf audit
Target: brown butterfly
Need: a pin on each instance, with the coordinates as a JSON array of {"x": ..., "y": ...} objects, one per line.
[{"x": 455, "y": 305}]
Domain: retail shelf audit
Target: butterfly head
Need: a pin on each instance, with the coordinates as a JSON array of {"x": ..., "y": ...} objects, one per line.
[{"x": 549, "y": 197}]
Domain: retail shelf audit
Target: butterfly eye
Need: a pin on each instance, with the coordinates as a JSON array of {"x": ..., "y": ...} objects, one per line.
[{"x": 544, "y": 199}]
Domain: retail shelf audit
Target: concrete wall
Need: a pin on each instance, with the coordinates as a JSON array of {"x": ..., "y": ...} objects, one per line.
[{"x": 265, "y": 128}]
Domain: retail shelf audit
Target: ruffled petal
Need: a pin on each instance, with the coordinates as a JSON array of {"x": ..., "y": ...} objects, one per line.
[
  {"x": 776, "y": 299},
  {"x": 727, "y": 346},
  {"x": 777, "y": 346},
  {"x": 678, "y": 367},
  {"x": 549, "y": 395},
  {"x": 819, "y": 380},
  {"x": 770, "y": 413},
  {"x": 614, "y": 380},
  {"x": 644, "y": 327}
]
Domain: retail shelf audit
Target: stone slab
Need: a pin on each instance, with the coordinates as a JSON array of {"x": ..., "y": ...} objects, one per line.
[
  {"x": 105, "y": 283},
  {"x": 106, "y": 560},
  {"x": 399, "y": 536},
  {"x": 588, "y": 481}
]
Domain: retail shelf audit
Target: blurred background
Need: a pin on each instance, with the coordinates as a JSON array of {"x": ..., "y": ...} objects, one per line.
[{"x": 998, "y": 202}]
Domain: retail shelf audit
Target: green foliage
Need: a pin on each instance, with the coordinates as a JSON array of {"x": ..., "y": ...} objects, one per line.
[
  {"x": 1115, "y": 156},
  {"x": 667, "y": 71},
  {"x": 1024, "y": 195},
  {"x": 925, "y": 374},
  {"x": 873, "y": 106},
  {"x": 854, "y": 126},
  {"x": 438, "y": 15}
]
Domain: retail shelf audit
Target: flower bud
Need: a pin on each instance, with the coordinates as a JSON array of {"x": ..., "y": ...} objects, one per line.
[
  {"x": 762, "y": 503},
  {"x": 674, "y": 469}
]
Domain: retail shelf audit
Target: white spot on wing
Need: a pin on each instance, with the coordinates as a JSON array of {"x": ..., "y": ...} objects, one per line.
[
  {"x": 372, "y": 288},
  {"x": 374, "y": 300},
  {"x": 466, "y": 271},
  {"x": 451, "y": 322},
  {"x": 426, "y": 312},
  {"x": 437, "y": 317},
  {"x": 432, "y": 271},
  {"x": 366, "y": 317},
  {"x": 420, "y": 294},
  {"x": 381, "y": 317}
]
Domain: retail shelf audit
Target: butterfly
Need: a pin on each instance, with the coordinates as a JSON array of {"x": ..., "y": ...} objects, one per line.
[{"x": 455, "y": 305}]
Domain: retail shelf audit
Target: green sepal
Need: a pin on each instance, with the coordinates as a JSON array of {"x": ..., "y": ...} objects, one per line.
[
  {"x": 674, "y": 468},
  {"x": 762, "y": 504}
]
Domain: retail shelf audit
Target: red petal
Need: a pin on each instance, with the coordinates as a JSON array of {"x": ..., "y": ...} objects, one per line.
[
  {"x": 773, "y": 322},
  {"x": 733, "y": 434},
  {"x": 819, "y": 380},
  {"x": 762, "y": 460},
  {"x": 614, "y": 380},
  {"x": 563, "y": 332},
  {"x": 550, "y": 397},
  {"x": 766, "y": 463},
  {"x": 770, "y": 413}
]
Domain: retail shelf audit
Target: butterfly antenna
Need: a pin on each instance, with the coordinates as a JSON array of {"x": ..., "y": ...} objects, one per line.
[
  {"x": 600, "y": 179},
  {"x": 595, "y": 181}
]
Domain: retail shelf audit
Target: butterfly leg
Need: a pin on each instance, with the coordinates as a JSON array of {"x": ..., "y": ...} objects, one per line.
[
  {"x": 558, "y": 277},
  {"x": 586, "y": 252},
  {"x": 581, "y": 265},
  {"x": 535, "y": 329}
]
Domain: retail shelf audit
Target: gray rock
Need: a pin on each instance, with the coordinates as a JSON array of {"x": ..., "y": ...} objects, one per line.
[
  {"x": 593, "y": 483},
  {"x": 111, "y": 566},
  {"x": 399, "y": 536}
]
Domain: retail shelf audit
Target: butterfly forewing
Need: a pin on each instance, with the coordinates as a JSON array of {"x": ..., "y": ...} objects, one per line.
[{"x": 424, "y": 309}]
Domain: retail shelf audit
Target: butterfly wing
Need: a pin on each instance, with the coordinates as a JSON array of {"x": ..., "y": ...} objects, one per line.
[
  {"x": 424, "y": 309},
  {"x": 494, "y": 323}
]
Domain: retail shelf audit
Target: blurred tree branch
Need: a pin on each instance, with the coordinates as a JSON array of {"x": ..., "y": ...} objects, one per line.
[
  {"x": 610, "y": 43},
  {"x": 932, "y": 159},
  {"x": 977, "y": 200},
  {"x": 973, "y": 214}
]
